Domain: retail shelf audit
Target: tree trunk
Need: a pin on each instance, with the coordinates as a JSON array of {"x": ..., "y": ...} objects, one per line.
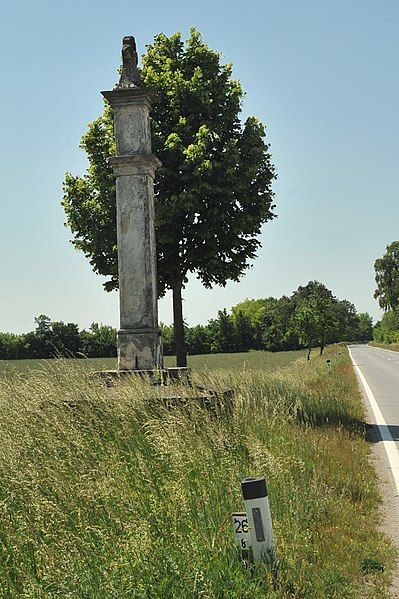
[
  {"x": 322, "y": 345},
  {"x": 309, "y": 350},
  {"x": 178, "y": 325}
]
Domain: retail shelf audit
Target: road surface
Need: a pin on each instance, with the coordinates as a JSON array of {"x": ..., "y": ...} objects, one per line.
[{"x": 378, "y": 370}]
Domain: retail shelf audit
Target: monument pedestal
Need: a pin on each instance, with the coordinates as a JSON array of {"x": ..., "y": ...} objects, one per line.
[
  {"x": 139, "y": 349},
  {"x": 173, "y": 388},
  {"x": 160, "y": 376}
]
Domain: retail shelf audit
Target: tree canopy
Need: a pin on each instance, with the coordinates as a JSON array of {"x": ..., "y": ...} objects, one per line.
[
  {"x": 387, "y": 277},
  {"x": 213, "y": 192}
]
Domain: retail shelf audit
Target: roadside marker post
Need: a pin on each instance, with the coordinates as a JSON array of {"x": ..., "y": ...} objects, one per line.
[
  {"x": 259, "y": 521},
  {"x": 241, "y": 533}
]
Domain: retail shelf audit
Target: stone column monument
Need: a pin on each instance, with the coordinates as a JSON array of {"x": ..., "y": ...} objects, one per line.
[{"x": 139, "y": 341}]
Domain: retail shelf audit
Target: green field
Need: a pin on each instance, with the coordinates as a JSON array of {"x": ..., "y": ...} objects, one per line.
[
  {"x": 253, "y": 359},
  {"x": 105, "y": 494}
]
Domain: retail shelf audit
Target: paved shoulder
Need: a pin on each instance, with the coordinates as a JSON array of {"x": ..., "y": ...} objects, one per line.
[
  {"x": 378, "y": 372},
  {"x": 379, "y": 376},
  {"x": 380, "y": 368}
]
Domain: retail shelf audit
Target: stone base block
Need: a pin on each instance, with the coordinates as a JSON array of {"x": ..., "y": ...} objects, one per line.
[
  {"x": 160, "y": 376},
  {"x": 175, "y": 389},
  {"x": 139, "y": 350},
  {"x": 219, "y": 402}
]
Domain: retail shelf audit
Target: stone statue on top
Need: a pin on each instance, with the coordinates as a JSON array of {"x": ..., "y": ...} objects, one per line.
[{"x": 130, "y": 74}]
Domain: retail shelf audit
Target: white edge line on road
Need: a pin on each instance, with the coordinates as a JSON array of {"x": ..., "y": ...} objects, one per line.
[{"x": 387, "y": 439}]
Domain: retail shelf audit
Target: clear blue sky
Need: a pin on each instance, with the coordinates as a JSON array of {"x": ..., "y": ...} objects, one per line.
[{"x": 322, "y": 75}]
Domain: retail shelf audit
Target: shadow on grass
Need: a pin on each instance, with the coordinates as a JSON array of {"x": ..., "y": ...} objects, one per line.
[
  {"x": 371, "y": 432},
  {"x": 332, "y": 418}
]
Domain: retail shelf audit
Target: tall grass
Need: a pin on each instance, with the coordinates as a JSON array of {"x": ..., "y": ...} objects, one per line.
[
  {"x": 105, "y": 494},
  {"x": 252, "y": 359}
]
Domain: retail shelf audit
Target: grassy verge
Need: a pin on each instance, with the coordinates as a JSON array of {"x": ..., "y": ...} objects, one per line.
[
  {"x": 391, "y": 346},
  {"x": 105, "y": 495}
]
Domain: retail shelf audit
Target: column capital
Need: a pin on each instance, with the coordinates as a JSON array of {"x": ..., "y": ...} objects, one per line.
[
  {"x": 143, "y": 164},
  {"x": 130, "y": 96}
]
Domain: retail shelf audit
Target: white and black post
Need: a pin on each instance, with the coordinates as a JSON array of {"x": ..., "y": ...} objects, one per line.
[
  {"x": 259, "y": 521},
  {"x": 241, "y": 533}
]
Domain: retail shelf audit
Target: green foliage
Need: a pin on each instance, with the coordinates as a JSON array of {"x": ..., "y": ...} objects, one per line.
[
  {"x": 104, "y": 496},
  {"x": 348, "y": 323},
  {"x": 99, "y": 341},
  {"x": 316, "y": 314},
  {"x": 243, "y": 332},
  {"x": 387, "y": 277},
  {"x": 278, "y": 331},
  {"x": 51, "y": 339},
  {"x": 321, "y": 318},
  {"x": 307, "y": 323},
  {"x": 311, "y": 316},
  {"x": 222, "y": 333},
  {"x": 214, "y": 190},
  {"x": 168, "y": 340},
  {"x": 387, "y": 330},
  {"x": 254, "y": 311},
  {"x": 12, "y": 347},
  {"x": 365, "y": 327},
  {"x": 89, "y": 201},
  {"x": 198, "y": 340}
]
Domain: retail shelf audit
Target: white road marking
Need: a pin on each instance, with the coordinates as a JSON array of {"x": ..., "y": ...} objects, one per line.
[{"x": 387, "y": 439}]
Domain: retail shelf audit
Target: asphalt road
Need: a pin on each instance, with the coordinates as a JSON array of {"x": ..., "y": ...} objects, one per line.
[{"x": 378, "y": 370}]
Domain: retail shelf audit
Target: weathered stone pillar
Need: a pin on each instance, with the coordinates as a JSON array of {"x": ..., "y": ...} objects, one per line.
[{"x": 139, "y": 342}]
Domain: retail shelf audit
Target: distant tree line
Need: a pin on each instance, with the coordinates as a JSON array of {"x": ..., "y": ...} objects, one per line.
[
  {"x": 311, "y": 317},
  {"x": 51, "y": 339}
]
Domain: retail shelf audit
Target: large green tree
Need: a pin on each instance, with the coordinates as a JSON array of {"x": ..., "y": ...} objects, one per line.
[
  {"x": 254, "y": 311},
  {"x": 387, "y": 277},
  {"x": 213, "y": 193},
  {"x": 365, "y": 327},
  {"x": 278, "y": 334},
  {"x": 317, "y": 314},
  {"x": 307, "y": 323}
]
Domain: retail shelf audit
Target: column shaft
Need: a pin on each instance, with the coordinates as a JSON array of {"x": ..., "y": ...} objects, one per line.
[{"x": 139, "y": 342}]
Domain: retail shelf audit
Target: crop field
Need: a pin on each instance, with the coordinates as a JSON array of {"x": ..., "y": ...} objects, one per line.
[
  {"x": 254, "y": 359},
  {"x": 108, "y": 493}
]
